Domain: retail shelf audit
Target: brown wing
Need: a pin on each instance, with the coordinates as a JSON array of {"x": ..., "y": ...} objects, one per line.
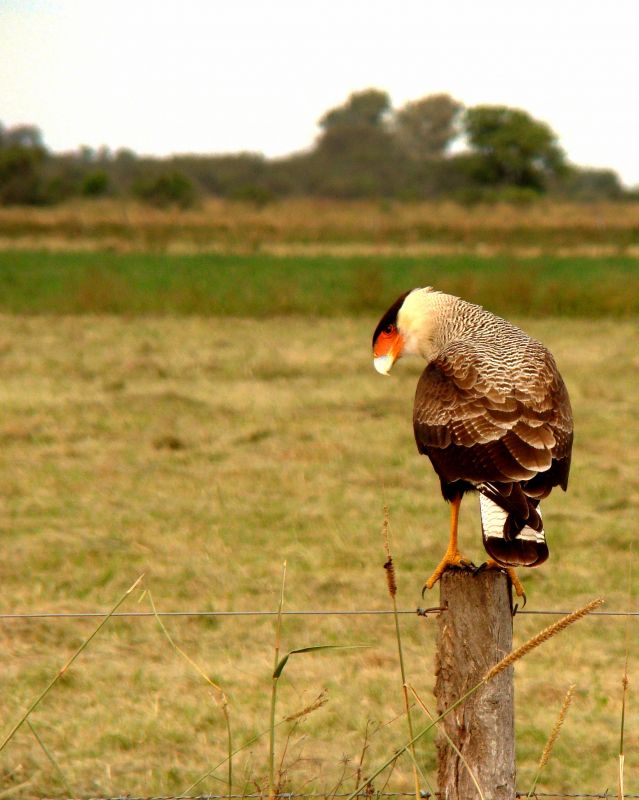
[{"x": 479, "y": 420}]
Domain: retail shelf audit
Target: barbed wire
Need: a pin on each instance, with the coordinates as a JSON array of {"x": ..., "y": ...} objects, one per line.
[
  {"x": 28, "y": 615},
  {"x": 425, "y": 795}
]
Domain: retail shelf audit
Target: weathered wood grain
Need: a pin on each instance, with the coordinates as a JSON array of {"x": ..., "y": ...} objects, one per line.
[{"x": 474, "y": 633}]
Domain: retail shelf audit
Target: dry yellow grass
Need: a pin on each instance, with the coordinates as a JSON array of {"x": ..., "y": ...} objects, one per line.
[
  {"x": 309, "y": 226},
  {"x": 204, "y": 453},
  {"x": 317, "y": 214}
]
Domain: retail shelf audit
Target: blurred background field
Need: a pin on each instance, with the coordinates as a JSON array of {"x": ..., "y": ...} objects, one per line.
[
  {"x": 323, "y": 258},
  {"x": 304, "y": 225},
  {"x": 202, "y": 418}
]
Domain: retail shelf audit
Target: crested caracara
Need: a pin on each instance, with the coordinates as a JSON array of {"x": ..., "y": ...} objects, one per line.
[{"x": 492, "y": 414}]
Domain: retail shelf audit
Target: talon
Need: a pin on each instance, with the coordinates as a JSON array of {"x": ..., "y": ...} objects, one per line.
[
  {"x": 452, "y": 557},
  {"x": 451, "y": 560},
  {"x": 480, "y": 568},
  {"x": 516, "y": 583}
]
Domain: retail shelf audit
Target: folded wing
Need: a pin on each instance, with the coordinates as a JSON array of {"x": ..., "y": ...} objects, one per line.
[{"x": 502, "y": 425}]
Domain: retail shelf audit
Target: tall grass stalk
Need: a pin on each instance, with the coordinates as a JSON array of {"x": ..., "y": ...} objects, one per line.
[
  {"x": 318, "y": 703},
  {"x": 210, "y": 773},
  {"x": 15, "y": 790},
  {"x": 508, "y": 660},
  {"x": 278, "y": 668},
  {"x": 623, "y": 720},
  {"x": 431, "y": 790},
  {"x": 362, "y": 755},
  {"x": 540, "y": 638},
  {"x": 278, "y": 638},
  {"x": 305, "y": 711},
  {"x": 545, "y": 755},
  {"x": 451, "y": 743},
  {"x": 52, "y": 760},
  {"x": 625, "y": 682},
  {"x": 218, "y": 693},
  {"x": 66, "y": 666},
  {"x": 392, "y": 591}
]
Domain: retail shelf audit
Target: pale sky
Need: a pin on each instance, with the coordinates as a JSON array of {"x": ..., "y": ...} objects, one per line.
[{"x": 256, "y": 75}]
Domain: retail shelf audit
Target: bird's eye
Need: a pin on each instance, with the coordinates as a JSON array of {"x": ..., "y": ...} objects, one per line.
[{"x": 390, "y": 328}]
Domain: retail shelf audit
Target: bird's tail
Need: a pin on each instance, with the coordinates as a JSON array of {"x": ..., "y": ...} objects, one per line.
[{"x": 512, "y": 528}]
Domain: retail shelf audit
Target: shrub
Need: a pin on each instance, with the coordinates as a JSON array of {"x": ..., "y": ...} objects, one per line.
[
  {"x": 166, "y": 189},
  {"x": 259, "y": 196},
  {"x": 95, "y": 184},
  {"x": 20, "y": 176}
]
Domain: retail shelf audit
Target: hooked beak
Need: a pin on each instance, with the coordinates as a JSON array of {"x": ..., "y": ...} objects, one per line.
[
  {"x": 383, "y": 364},
  {"x": 386, "y": 352}
]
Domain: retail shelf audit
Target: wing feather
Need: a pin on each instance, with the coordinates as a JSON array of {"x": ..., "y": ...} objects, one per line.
[{"x": 479, "y": 421}]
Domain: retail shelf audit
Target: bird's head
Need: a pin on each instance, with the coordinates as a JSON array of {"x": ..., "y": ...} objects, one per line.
[{"x": 407, "y": 328}]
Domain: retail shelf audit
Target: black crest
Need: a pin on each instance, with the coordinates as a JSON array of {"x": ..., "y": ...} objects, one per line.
[{"x": 390, "y": 317}]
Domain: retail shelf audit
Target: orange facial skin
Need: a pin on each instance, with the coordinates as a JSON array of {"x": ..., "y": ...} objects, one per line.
[{"x": 389, "y": 343}]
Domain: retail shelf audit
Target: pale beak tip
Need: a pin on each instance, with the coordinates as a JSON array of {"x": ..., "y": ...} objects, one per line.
[{"x": 383, "y": 364}]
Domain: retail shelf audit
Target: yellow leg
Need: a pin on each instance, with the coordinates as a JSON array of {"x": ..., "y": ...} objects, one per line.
[
  {"x": 452, "y": 556},
  {"x": 517, "y": 584}
]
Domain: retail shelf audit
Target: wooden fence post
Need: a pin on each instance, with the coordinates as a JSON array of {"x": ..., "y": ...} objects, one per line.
[{"x": 474, "y": 633}]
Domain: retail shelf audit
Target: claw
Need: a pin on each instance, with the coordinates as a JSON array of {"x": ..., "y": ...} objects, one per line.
[
  {"x": 514, "y": 580},
  {"x": 451, "y": 560}
]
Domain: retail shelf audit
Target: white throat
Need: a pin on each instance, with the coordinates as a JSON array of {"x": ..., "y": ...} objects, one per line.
[{"x": 418, "y": 322}]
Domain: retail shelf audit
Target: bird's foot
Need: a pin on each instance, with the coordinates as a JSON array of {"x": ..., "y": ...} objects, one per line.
[
  {"x": 452, "y": 559},
  {"x": 514, "y": 579}
]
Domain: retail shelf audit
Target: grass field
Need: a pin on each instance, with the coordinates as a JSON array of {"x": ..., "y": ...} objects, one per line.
[
  {"x": 261, "y": 285},
  {"x": 205, "y": 451},
  {"x": 304, "y": 225}
]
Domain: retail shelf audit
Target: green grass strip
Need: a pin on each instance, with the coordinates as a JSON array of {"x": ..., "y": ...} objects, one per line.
[{"x": 260, "y": 285}]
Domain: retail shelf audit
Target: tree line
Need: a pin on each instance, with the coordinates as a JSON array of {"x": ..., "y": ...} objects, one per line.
[{"x": 431, "y": 148}]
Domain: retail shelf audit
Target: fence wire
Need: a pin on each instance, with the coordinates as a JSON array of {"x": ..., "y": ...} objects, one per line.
[
  {"x": 422, "y": 612},
  {"x": 334, "y": 796}
]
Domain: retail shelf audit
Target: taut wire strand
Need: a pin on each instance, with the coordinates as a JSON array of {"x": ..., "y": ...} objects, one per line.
[
  {"x": 330, "y": 795},
  {"x": 291, "y": 613}
]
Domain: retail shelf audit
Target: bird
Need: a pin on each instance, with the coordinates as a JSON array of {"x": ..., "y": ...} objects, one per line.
[{"x": 493, "y": 415}]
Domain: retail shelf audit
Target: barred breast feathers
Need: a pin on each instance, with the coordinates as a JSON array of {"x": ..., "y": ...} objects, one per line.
[
  {"x": 432, "y": 322},
  {"x": 487, "y": 381}
]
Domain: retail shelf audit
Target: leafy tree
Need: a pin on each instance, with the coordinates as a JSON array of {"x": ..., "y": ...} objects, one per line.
[
  {"x": 426, "y": 127},
  {"x": 21, "y": 176},
  {"x": 356, "y": 154},
  {"x": 28, "y": 137},
  {"x": 22, "y": 156},
  {"x": 86, "y": 154},
  {"x": 585, "y": 184},
  {"x": 509, "y": 147},
  {"x": 368, "y": 108},
  {"x": 364, "y": 149},
  {"x": 125, "y": 156}
]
